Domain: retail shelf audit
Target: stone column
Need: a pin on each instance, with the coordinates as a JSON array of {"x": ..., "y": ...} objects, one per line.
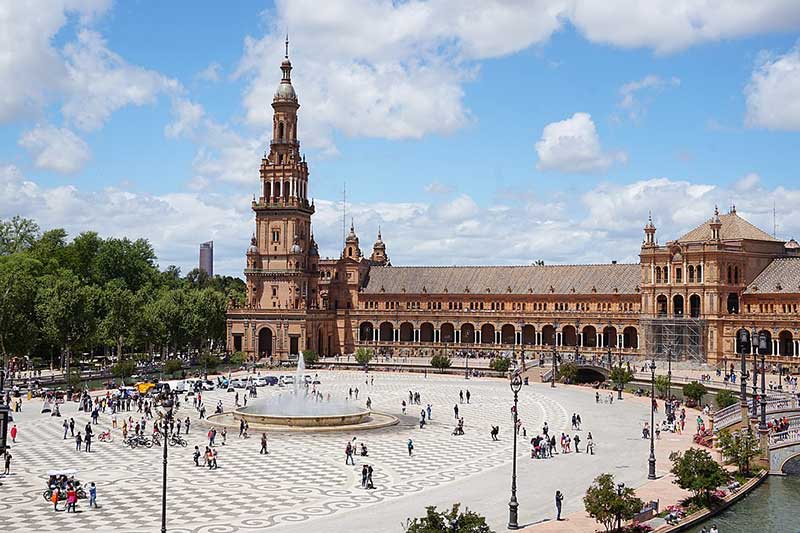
[
  {"x": 477, "y": 336},
  {"x": 417, "y": 336}
]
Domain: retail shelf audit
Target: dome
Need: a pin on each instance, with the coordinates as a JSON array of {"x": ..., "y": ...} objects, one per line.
[
  {"x": 253, "y": 248},
  {"x": 295, "y": 249},
  {"x": 285, "y": 92},
  {"x": 792, "y": 245},
  {"x": 314, "y": 252}
]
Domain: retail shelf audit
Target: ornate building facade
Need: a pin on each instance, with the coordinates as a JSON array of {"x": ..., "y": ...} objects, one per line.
[{"x": 689, "y": 296}]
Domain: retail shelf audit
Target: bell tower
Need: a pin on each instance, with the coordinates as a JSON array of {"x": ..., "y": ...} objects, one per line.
[{"x": 278, "y": 273}]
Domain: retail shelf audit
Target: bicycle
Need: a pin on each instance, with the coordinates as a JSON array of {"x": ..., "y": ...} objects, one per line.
[
  {"x": 105, "y": 437},
  {"x": 176, "y": 440}
]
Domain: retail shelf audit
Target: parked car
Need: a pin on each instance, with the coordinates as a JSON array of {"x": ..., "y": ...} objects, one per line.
[{"x": 287, "y": 380}]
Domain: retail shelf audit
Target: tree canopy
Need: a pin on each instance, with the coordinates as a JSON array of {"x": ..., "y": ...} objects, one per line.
[{"x": 102, "y": 296}]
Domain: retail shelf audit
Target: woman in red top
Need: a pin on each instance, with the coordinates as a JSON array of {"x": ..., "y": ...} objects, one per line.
[{"x": 72, "y": 498}]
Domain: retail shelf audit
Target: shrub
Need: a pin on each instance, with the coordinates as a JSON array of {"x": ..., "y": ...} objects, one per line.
[
  {"x": 238, "y": 358},
  {"x": 453, "y": 520},
  {"x": 310, "y": 357},
  {"x": 363, "y": 356},
  {"x": 605, "y": 504},
  {"x": 662, "y": 386},
  {"x": 440, "y": 361},
  {"x": 568, "y": 372},
  {"x": 172, "y": 365},
  {"x": 739, "y": 448},
  {"x": 726, "y": 398},
  {"x": 501, "y": 364},
  {"x": 124, "y": 369},
  {"x": 695, "y": 391},
  {"x": 620, "y": 376},
  {"x": 209, "y": 361}
]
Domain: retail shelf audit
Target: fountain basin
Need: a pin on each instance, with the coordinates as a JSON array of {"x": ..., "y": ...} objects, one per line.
[{"x": 354, "y": 416}]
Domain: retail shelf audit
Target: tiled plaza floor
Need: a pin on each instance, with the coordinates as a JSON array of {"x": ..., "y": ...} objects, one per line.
[{"x": 304, "y": 480}]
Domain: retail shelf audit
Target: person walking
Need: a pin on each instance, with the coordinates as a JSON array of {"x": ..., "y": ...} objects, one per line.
[
  {"x": 364, "y": 474},
  {"x": 559, "y": 499},
  {"x": 455, "y": 410},
  {"x": 88, "y": 441},
  {"x": 7, "y": 470},
  {"x": 78, "y": 442},
  {"x": 348, "y": 454},
  {"x": 54, "y": 498},
  {"x": 577, "y": 440},
  {"x": 72, "y": 498},
  {"x": 263, "y": 444},
  {"x": 461, "y": 396},
  {"x": 468, "y": 395},
  {"x": 370, "y": 485},
  {"x": 65, "y": 425},
  {"x": 92, "y": 495},
  {"x": 410, "y": 446},
  {"x": 429, "y": 411},
  {"x": 196, "y": 456},
  {"x": 13, "y": 434},
  {"x": 71, "y": 427},
  {"x": 590, "y": 444}
]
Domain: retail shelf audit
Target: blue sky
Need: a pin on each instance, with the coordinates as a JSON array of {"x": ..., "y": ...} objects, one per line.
[{"x": 472, "y": 132}]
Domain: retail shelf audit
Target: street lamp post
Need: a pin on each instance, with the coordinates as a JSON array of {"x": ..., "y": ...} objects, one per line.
[
  {"x": 513, "y": 505},
  {"x": 555, "y": 354},
  {"x": 669, "y": 372},
  {"x": 744, "y": 342},
  {"x": 651, "y": 474},
  {"x": 620, "y": 491},
  {"x": 5, "y": 414},
  {"x": 166, "y": 405},
  {"x": 755, "y": 382},
  {"x": 621, "y": 384},
  {"x": 762, "y": 347}
]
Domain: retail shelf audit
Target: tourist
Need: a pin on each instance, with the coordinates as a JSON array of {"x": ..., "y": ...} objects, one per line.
[
  {"x": 214, "y": 459},
  {"x": 402, "y": 406},
  {"x": 92, "y": 495},
  {"x": 461, "y": 396},
  {"x": 348, "y": 454},
  {"x": 72, "y": 498},
  {"x": 363, "y": 451},
  {"x": 224, "y": 435},
  {"x": 78, "y": 442},
  {"x": 494, "y": 432},
  {"x": 196, "y": 456},
  {"x": 71, "y": 427},
  {"x": 54, "y": 498},
  {"x": 7, "y": 470},
  {"x": 468, "y": 395},
  {"x": 429, "y": 411},
  {"x": 13, "y": 434},
  {"x": 66, "y": 428},
  {"x": 713, "y": 529},
  {"x": 590, "y": 444},
  {"x": 559, "y": 499},
  {"x": 364, "y": 474},
  {"x": 264, "y": 444},
  {"x": 577, "y": 440},
  {"x": 455, "y": 411},
  {"x": 369, "y": 402},
  {"x": 410, "y": 446}
]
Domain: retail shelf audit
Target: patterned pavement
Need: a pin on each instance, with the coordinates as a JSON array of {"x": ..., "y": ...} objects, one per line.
[{"x": 304, "y": 476}]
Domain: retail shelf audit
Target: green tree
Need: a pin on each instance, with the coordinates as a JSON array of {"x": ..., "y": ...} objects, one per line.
[
  {"x": 67, "y": 310},
  {"x": 132, "y": 262},
  {"x": 238, "y": 358},
  {"x": 695, "y": 391},
  {"x": 311, "y": 357},
  {"x": 604, "y": 503},
  {"x": 662, "y": 386},
  {"x": 363, "y": 356},
  {"x": 500, "y": 364},
  {"x": 568, "y": 372},
  {"x": 210, "y": 361},
  {"x": 119, "y": 314},
  {"x": 620, "y": 376},
  {"x": 696, "y": 471},
  {"x": 739, "y": 448},
  {"x": 17, "y": 235},
  {"x": 440, "y": 361},
  {"x": 452, "y": 521},
  {"x": 726, "y": 398},
  {"x": 19, "y": 329}
]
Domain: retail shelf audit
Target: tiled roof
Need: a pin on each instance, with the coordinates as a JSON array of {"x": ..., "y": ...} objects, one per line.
[
  {"x": 733, "y": 228},
  {"x": 781, "y": 276},
  {"x": 556, "y": 279}
]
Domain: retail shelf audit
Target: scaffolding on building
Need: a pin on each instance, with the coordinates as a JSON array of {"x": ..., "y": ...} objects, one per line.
[{"x": 683, "y": 336}]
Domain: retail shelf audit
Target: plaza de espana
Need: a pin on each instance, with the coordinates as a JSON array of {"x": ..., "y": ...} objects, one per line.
[{"x": 688, "y": 296}]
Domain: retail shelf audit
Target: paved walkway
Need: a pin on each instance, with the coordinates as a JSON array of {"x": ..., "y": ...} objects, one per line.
[{"x": 304, "y": 482}]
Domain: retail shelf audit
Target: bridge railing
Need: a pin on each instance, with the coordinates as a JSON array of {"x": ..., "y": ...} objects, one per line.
[
  {"x": 791, "y": 436},
  {"x": 733, "y": 414}
]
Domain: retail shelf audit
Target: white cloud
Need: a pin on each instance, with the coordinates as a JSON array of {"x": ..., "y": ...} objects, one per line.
[
  {"x": 31, "y": 71},
  {"x": 186, "y": 117},
  {"x": 773, "y": 94},
  {"x": 628, "y": 93},
  {"x": 747, "y": 182},
  {"x": 211, "y": 73},
  {"x": 668, "y": 25},
  {"x": 603, "y": 224},
  {"x": 437, "y": 187},
  {"x": 100, "y": 82},
  {"x": 572, "y": 145},
  {"x": 57, "y": 149}
]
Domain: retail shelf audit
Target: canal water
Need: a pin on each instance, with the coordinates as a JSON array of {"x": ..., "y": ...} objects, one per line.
[{"x": 771, "y": 508}]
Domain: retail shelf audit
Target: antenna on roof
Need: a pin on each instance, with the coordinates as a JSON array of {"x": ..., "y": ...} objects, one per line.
[
  {"x": 344, "y": 212},
  {"x": 774, "y": 222}
]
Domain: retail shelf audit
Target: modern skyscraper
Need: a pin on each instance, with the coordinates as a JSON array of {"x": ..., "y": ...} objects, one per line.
[{"x": 207, "y": 258}]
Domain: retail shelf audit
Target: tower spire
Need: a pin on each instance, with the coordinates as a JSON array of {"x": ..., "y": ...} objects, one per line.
[{"x": 287, "y": 46}]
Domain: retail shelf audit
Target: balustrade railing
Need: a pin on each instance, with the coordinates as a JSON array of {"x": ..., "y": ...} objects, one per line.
[{"x": 783, "y": 438}]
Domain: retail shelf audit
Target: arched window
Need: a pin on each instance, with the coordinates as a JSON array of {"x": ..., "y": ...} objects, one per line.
[
  {"x": 736, "y": 274},
  {"x": 691, "y": 273},
  {"x": 658, "y": 274},
  {"x": 699, "y": 273},
  {"x": 350, "y": 252},
  {"x": 730, "y": 275}
]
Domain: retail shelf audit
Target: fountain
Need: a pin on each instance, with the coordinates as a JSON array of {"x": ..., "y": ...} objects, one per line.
[{"x": 299, "y": 408}]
